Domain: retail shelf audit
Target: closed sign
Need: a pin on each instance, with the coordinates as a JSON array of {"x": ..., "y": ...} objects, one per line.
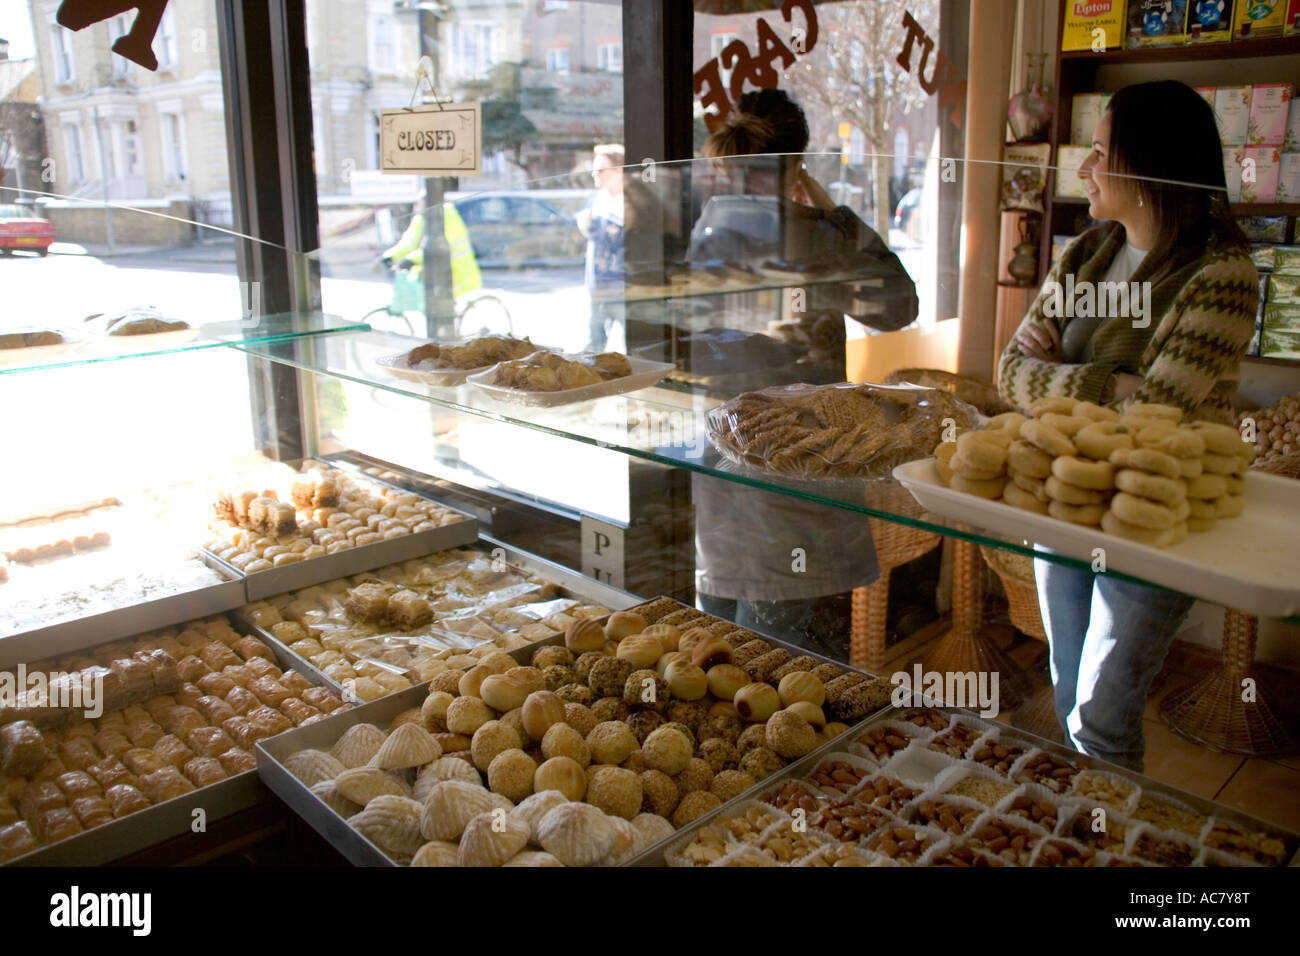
[{"x": 433, "y": 140}]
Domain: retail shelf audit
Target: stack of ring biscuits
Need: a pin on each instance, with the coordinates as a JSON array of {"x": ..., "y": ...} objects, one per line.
[{"x": 1142, "y": 475}]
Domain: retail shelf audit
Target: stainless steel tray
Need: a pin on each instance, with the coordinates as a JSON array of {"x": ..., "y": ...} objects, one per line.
[
  {"x": 571, "y": 583},
  {"x": 302, "y": 574},
  {"x": 802, "y": 767},
  {"x": 322, "y": 735},
  {"x": 165, "y": 820},
  {"x": 83, "y": 632}
]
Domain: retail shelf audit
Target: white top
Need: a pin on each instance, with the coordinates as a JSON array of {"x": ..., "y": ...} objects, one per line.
[
  {"x": 1076, "y": 337},
  {"x": 1125, "y": 263}
]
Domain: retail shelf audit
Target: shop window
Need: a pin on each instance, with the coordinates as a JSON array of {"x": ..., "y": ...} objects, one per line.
[
  {"x": 383, "y": 45},
  {"x": 609, "y": 57},
  {"x": 473, "y": 49},
  {"x": 557, "y": 60},
  {"x": 717, "y": 43},
  {"x": 164, "y": 41},
  {"x": 130, "y": 141},
  {"x": 65, "y": 70},
  {"x": 118, "y": 27}
]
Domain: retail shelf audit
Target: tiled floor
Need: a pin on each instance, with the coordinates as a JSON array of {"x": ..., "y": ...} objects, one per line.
[{"x": 1268, "y": 789}]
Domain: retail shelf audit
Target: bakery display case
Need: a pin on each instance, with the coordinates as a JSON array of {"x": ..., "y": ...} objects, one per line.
[{"x": 398, "y": 506}]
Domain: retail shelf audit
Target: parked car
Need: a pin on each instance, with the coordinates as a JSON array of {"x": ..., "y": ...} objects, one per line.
[
  {"x": 907, "y": 207},
  {"x": 19, "y": 229},
  {"x": 511, "y": 229}
]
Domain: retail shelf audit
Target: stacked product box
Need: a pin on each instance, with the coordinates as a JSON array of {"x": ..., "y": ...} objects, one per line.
[
  {"x": 1253, "y": 19},
  {"x": 1086, "y": 111},
  {"x": 1267, "y": 235},
  {"x": 1280, "y": 330},
  {"x": 1255, "y": 124},
  {"x": 1156, "y": 23}
]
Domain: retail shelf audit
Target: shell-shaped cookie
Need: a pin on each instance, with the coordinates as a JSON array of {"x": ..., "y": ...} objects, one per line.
[
  {"x": 576, "y": 834},
  {"x": 363, "y": 784},
  {"x": 653, "y": 828},
  {"x": 451, "y": 804},
  {"x": 358, "y": 745},
  {"x": 410, "y": 745},
  {"x": 445, "y": 768},
  {"x": 313, "y": 766},
  {"x": 532, "y": 808},
  {"x": 391, "y": 823},
  {"x": 532, "y": 858},
  {"x": 335, "y": 800},
  {"x": 491, "y": 839},
  {"x": 436, "y": 853},
  {"x": 627, "y": 841}
]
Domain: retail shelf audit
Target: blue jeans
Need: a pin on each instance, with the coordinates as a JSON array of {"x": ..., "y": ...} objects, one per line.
[{"x": 1108, "y": 639}]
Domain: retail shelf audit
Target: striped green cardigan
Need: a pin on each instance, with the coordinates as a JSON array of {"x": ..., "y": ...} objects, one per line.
[{"x": 1202, "y": 316}]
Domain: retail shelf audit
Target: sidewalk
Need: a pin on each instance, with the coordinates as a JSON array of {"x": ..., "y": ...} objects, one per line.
[{"x": 213, "y": 251}]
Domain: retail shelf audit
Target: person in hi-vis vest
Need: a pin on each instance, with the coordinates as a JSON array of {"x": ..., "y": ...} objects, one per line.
[{"x": 465, "y": 276}]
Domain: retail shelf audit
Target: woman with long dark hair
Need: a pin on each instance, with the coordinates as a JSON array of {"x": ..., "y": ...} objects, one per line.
[{"x": 1155, "y": 175}]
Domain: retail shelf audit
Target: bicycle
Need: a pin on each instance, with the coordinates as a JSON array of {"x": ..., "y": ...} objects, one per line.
[{"x": 476, "y": 313}]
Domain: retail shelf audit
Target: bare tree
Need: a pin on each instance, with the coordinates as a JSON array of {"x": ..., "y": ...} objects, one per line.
[
  {"x": 853, "y": 76},
  {"x": 20, "y": 142}
]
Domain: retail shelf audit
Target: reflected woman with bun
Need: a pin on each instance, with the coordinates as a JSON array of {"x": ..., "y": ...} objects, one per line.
[{"x": 1155, "y": 176}]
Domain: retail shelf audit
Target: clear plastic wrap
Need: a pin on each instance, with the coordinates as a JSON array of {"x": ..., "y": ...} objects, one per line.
[{"x": 845, "y": 431}]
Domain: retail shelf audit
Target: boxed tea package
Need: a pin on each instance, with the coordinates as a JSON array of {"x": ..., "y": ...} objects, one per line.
[
  {"x": 1084, "y": 16},
  {"x": 1292, "y": 26},
  {"x": 1279, "y": 343},
  {"x": 1232, "y": 113},
  {"x": 1263, "y": 228},
  {"x": 1286, "y": 260},
  {"x": 1259, "y": 171},
  {"x": 1288, "y": 178},
  {"x": 1209, "y": 21},
  {"x": 1269, "y": 106},
  {"x": 1232, "y": 157},
  {"x": 1085, "y": 112},
  {"x": 1262, "y": 256},
  {"x": 1156, "y": 23},
  {"x": 1259, "y": 18},
  {"x": 1283, "y": 290},
  {"x": 1280, "y": 317},
  {"x": 1068, "y": 161},
  {"x": 1024, "y": 174}
]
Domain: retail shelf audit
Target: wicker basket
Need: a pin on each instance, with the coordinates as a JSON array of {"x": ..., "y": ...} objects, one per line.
[{"x": 1016, "y": 572}]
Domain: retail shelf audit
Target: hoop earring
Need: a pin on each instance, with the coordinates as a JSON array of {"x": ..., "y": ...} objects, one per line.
[{"x": 1140, "y": 202}]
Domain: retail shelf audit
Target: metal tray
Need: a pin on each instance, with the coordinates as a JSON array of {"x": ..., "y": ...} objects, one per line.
[
  {"x": 572, "y": 584},
  {"x": 655, "y": 856},
  {"x": 83, "y": 632},
  {"x": 165, "y": 820},
  {"x": 272, "y": 753},
  {"x": 302, "y": 574}
]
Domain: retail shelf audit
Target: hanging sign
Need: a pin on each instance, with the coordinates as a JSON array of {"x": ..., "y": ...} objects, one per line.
[{"x": 440, "y": 139}]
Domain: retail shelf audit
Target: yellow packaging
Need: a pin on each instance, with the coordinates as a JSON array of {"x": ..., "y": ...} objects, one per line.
[
  {"x": 1259, "y": 18},
  {"x": 1082, "y": 17}
]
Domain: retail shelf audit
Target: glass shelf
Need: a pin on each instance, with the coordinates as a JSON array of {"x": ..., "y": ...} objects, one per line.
[
  {"x": 663, "y": 424},
  {"x": 90, "y": 349}
]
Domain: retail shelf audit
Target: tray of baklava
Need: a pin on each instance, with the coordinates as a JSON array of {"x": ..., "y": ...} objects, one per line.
[
  {"x": 107, "y": 751},
  {"x": 382, "y": 631},
  {"x": 319, "y": 523},
  {"x": 938, "y": 786}
]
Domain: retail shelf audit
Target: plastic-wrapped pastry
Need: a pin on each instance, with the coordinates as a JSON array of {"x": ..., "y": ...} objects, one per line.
[
  {"x": 202, "y": 771},
  {"x": 408, "y": 610},
  {"x": 15, "y": 840},
  {"x": 237, "y": 760},
  {"x": 22, "y": 748},
  {"x": 92, "y": 811},
  {"x": 164, "y": 784},
  {"x": 123, "y": 798},
  {"x": 137, "y": 681},
  {"x": 368, "y": 603}
]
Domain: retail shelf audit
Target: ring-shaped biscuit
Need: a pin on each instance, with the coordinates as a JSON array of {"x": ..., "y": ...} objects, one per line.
[
  {"x": 1179, "y": 532},
  {"x": 1143, "y": 512},
  {"x": 1189, "y": 467},
  {"x": 1058, "y": 404},
  {"x": 1098, "y": 413},
  {"x": 1148, "y": 460},
  {"x": 1017, "y": 497},
  {"x": 1219, "y": 464},
  {"x": 1236, "y": 486},
  {"x": 990, "y": 489},
  {"x": 1169, "y": 413},
  {"x": 1157, "y": 538},
  {"x": 1067, "y": 425},
  {"x": 1058, "y": 490},
  {"x": 1199, "y": 508},
  {"x": 1033, "y": 486},
  {"x": 960, "y": 464},
  {"x": 1076, "y": 514},
  {"x": 1207, "y": 487},
  {"x": 1102, "y": 439},
  {"x": 1096, "y": 475},
  {"x": 942, "y": 456},
  {"x": 1200, "y": 525},
  {"x": 1229, "y": 506},
  {"x": 1173, "y": 440},
  {"x": 1183, "y": 510},
  {"x": 1167, "y": 491},
  {"x": 981, "y": 450},
  {"x": 1007, "y": 421},
  {"x": 1220, "y": 439},
  {"x": 1046, "y": 438},
  {"x": 1025, "y": 459}
]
